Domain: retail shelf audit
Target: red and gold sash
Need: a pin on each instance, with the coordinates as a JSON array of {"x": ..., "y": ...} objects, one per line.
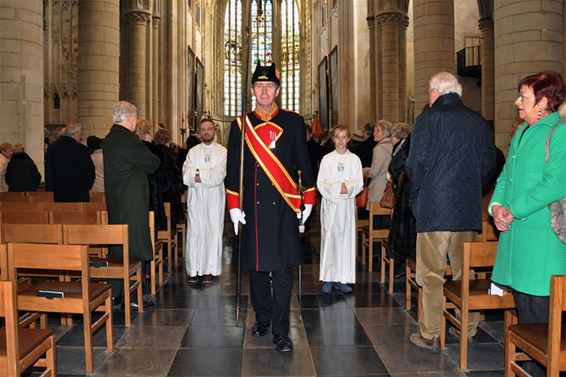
[{"x": 271, "y": 165}]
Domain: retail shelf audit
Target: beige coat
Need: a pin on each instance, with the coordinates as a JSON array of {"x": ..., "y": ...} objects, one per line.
[
  {"x": 98, "y": 161},
  {"x": 378, "y": 171}
]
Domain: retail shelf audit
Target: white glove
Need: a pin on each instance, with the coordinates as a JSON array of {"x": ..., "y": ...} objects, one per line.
[
  {"x": 306, "y": 213},
  {"x": 237, "y": 216}
]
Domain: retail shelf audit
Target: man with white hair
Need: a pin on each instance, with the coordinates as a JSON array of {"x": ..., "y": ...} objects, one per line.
[
  {"x": 70, "y": 167},
  {"x": 127, "y": 163},
  {"x": 452, "y": 158}
]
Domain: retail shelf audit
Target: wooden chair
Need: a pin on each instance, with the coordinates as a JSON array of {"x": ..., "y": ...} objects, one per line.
[
  {"x": 156, "y": 264},
  {"x": 127, "y": 269},
  {"x": 471, "y": 295},
  {"x": 542, "y": 342},
  {"x": 169, "y": 237},
  {"x": 361, "y": 224},
  {"x": 40, "y": 196},
  {"x": 370, "y": 234},
  {"x": 13, "y": 197},
  {"x": 24, "y": 217},
  {"x": 42, "y": 234},
  {"x": 74, "y": 217},
  {"x": 21, "y": 347},
  {"x": 80, "y": 297}
]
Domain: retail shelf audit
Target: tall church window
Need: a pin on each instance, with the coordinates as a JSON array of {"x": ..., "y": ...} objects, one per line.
[
  {"x": 261, "y": 49},
  {"x": 233, "y": 58},
  {"x": 290, "y": 48}
]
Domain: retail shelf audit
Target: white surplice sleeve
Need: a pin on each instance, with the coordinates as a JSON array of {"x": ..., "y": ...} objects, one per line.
[
  {"x": 214, "y": 175},
  {"x": 326, "y": 185}
]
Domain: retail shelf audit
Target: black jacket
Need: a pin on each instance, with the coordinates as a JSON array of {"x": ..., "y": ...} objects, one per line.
[
  {"x": 22, "y": 173},
  {"x": 72, "y": 170},
  {"x": 452, "y": 157},
  {"x": 364, "y": 151}
]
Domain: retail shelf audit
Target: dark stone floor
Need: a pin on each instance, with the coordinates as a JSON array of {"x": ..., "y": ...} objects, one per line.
[{"x": 193, "y": 332}]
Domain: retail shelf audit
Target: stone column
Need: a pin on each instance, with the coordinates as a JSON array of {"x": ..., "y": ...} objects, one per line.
[
  {"x": 434, "y": 44},
  {"x": 21, "y": 76},
  {"x": 372, "y": 63},
  {"x": 487, "y": 69},
  {"x": 390, "y": 64},
  {"x": 98, "y": 75},
  {"x": 156, "y": 70},
  {"x": 136, "y": 28},
  {"x": 403, "y": 68},
  {"x": 527, "y": 40}
]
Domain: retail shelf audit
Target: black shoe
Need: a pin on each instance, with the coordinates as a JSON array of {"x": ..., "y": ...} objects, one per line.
[
  {"x": 283, "y": 343},
  {"x": 259, "y": 329}
]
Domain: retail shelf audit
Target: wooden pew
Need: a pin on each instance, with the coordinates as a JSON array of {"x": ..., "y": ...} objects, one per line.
[{"x": 81, "y": 297}]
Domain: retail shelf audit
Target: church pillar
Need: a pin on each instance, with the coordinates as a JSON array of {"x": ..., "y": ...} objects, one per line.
[
  {"x": 21, "y": 76},
  {"x": 98, "y": 74},
  {"x": 526, "y": 41},
  {"x": 136, "y": 21},
  {"x": 434, "y": 44},
  {"x": 403, "y": 68},
  {"x": 372, "y": 67},
  {"x": 487, "y": 69},
  {"x": 156, "y": 20},
  {"x": 390, "y": 64}
]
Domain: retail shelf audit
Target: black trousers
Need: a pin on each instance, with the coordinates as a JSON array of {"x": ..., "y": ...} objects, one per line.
[
  {"x": 272, "y": 306},
  {"x": 532, "y": 309}
]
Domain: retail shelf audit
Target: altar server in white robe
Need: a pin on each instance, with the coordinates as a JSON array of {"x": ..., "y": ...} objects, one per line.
[
  {"x": 340, "y": 179},
  {"x": 203, "y": 172}
]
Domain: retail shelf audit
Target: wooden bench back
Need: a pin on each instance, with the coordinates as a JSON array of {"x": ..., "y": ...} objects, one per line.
[
  {"x": 47, "y": 257},
  {"x": 479, "y": 254},
  {"x": 40, "y": 196},
  {"x": 112, "y": 234},
  {"x": 24, "y": 217},
  {"x": 376, "y": 210},
  {"x": 94, "y": 206},
  {"x": 74, "y": 217},
  {"x": 9, "y": 312},
  {"x": 32, "y": 233},
  {"x": 12, "y": 197}
]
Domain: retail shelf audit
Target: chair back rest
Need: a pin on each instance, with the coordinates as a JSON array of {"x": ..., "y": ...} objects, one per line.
[
  {"x": 32, "y": 233},
  {"x": 63, "y": 206},
  {"x": 21, "y": 206},
  {"x": 13, "y": 197},
  {"x": 376, "y": 209},
  {"x": 479, "y": 254},
  {"x": 111, "y": 234},
  {"x": 97, "y": 197},
  {"x": 74, "y": 217},
  {"x": 152, "y": 230},
  {"x": 40, "y": 196},
  {"x": 8, "y": 310},
  {"x": 47, "y": 257},
  {"x": 94, "y": 206},
  {"x": 3, "y": 262},
  {"x": 25, "y": 217}
]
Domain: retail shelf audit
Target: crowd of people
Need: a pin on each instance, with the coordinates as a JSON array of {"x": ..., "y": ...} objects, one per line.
[{"x": 440, "y": 169}]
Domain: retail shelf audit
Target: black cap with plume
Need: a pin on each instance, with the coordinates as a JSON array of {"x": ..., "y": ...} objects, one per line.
[{"x": 266, "y": 73}]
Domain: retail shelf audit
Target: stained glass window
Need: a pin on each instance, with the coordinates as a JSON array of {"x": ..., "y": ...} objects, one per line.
[
  {"x": 233, "y": 58},
  {"x": 261, "y": 43},
  {"x": 290, "y": 47}
]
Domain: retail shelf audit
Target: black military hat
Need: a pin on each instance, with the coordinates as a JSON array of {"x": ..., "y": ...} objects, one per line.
[{"x": 266, "y": 73}]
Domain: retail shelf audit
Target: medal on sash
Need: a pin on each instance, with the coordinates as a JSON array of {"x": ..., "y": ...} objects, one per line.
[{"x": 272, "y": 138}]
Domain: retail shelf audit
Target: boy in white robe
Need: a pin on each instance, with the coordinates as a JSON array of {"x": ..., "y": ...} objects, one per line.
[
  {"x": 340, "y": 179},
  {"x": 203, "y": 172}
]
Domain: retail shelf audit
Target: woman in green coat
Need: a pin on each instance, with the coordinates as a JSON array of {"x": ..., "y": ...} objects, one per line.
[{"x": 529, "y": 252}]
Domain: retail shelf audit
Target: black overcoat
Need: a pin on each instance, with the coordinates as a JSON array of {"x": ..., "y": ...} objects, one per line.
[
  {"x": 271, "y": 239},
  {"x": 127, "y": 162},
  {"x": 22, "y": 173},
  {"x": 72, "y": 170},
  {"x": 402, "y": 232}
]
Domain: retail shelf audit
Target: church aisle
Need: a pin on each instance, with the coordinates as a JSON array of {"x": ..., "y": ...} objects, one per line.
[{"x": 192, "y": 332}]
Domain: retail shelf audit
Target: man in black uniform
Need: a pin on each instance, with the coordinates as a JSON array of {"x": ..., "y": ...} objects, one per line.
[{"x": 275, "y": 151}]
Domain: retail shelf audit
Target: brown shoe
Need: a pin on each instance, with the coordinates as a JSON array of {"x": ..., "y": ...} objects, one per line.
[
  {"x": 431, "y": 345},
  {"x": 207, "y": 279}
]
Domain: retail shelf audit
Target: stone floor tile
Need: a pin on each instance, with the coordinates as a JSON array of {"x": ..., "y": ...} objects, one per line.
[
  {"x": 269, "y": 362},
  {"x": 165, "y": 317},
  {"x": 137, "y": 362},
  {"x": 383, "y": 316},
  {"x": 481, "y": 356},
  {"x": 207, "y": 362},
  {"x": 213, "y": 337},
  {"x": 347, "y": 361},
  {"x": 154, "y": 337}
]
